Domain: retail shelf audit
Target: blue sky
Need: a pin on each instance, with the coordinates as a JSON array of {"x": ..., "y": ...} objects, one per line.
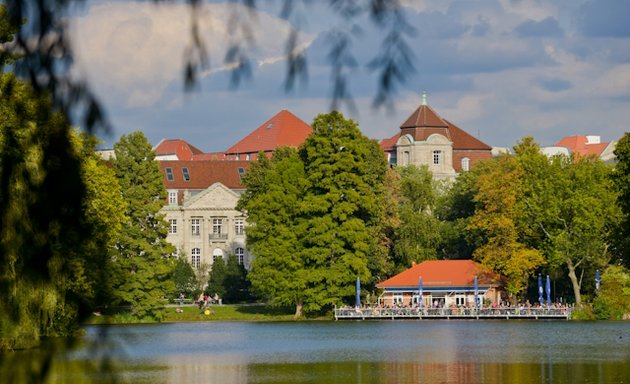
[{"x": 500, "y": 69}]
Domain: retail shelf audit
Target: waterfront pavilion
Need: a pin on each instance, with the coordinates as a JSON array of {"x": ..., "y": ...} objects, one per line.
[{"x": 445, "y": 283}]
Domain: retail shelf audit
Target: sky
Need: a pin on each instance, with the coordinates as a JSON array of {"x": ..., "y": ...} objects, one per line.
[{"x": 499, "y": 69}]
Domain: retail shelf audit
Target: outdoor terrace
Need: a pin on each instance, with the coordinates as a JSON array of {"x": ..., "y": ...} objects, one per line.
[{"x": 368, "y": 313}]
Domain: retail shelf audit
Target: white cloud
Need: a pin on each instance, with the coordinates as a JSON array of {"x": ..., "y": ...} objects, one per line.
[{"x": 132, "y": 52}]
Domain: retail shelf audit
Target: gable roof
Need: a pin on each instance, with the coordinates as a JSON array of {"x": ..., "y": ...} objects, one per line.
[
  {"x": 283, "y": 129},
  {"x": 442, "y": 273},
  {"x": 176, "y": 147},
  {"x": 215, "y": 188},
  {"x": 204, "y": 173}
]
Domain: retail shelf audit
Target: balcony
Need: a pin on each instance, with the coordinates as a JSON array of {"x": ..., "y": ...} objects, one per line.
[{"x": 218, "y": 236}]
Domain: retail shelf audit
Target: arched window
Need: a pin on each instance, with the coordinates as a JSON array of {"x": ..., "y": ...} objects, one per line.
[
  {"x": 195, "y": 257},
  {"x": 240, "y": 255},
  {"x": 216, "y": 254},
  {"x": 465, "y": 164}
]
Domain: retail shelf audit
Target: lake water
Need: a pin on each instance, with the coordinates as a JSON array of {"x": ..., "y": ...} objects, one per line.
[{"x": 359, "y": 352}]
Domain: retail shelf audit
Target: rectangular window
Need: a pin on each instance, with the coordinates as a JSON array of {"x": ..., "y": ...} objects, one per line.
[
  {"x": 169, "y": 174},
  {"x": 172, "y": 227},
  {"x": 172, "y": 197},
  {"x": 186, "y": 174},
  {"x": 239, "y": 227},
  {"x": 217, "y": 230},
  {"x": 437, "y": 157},
  {"x": 195, "y": 257},
  {"x": 195, "y": 226}
]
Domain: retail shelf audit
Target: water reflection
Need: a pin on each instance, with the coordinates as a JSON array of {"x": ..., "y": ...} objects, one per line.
[{"x": 353, "y": 352}]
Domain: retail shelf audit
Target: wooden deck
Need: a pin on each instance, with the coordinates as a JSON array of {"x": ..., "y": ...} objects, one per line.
[{"x": 451, "y": 313}]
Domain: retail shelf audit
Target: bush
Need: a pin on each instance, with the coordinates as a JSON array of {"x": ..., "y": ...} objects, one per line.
[{"x": 614, "y": 296}]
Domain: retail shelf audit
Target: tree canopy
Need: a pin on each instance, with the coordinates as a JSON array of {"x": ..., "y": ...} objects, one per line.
[
  {"x": 142, "y": 265},
  {"x": 621, "y": 181},
  {"x": 315, "y": 216}
]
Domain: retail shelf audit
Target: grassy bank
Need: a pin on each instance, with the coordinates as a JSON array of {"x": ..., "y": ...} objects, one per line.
[{"x": 243, "y": 312}]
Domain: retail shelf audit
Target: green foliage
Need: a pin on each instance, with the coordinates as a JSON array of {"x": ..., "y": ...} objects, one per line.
[
  {"x": 7, "y": 30},
  {"x": 418, "y": 236},
  {"x": 142, "y": 266},
  {"x": 59, "y": 206},
  {"x": 316, "y": 218},
  {"x": 613, "y": 301},
  {"x": 184, "y": 278},
  {"x": 498, "y": 194},
  {"x": 216, "y": 280},
  {"x": 454, "y": 209},
  {"x": 583, "y": 313},
  {"x": 621, "y": 182},
  {"x": 570, "y": 210},
  {"x": 272, "y": 201},
  {"x": 235, "y": 284}
]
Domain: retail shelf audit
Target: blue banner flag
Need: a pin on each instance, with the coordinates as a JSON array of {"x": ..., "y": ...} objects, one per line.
[{"x": 548, "y": 287}]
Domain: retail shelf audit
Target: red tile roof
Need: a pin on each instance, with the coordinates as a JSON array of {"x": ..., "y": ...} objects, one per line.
[
  {"x": 424, "y": 122},
  {"x": 204, "y": 173},
  {"x": 442, "y": 273},
  {"x": 424, "y": 117},
  {"x": 178, "y": 147},
  {"x": 579, "y": 144},
  {"x": 283, "y": 129},
  {"x": 389, "y": 144},
  {"x": 463, "y": 140}
]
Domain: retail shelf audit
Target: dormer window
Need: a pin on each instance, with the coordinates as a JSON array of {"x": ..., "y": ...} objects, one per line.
[
  {"x": 169, "y": 174},
  {"x": 186, "y": 174},
  {"x": 241, "y": 173}
]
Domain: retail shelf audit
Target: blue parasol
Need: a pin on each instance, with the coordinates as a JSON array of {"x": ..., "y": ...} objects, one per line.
[
  {"x": 548, "y": 288},
  {"x": 540, "y": 290},
  {"x": 358, "y": 301},
  {"x": 476, "y": 292},
  {"x": 597, "y": 280},
  {"x": 420, "y": 291}
]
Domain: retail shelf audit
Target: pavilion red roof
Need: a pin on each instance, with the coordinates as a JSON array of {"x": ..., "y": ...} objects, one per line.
[{"x": 442, "y": 273}]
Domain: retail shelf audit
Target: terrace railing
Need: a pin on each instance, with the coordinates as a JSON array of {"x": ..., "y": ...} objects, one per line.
[{"x": 379, "y": 313}]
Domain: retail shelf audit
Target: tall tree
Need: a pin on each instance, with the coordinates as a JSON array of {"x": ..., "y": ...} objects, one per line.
[
  {"x": 272, "y": 202},
  {"x": 418, "y": 236},
  {"x": 142, "y": 267},
  {"x": 498, "y": 194},
  {"x": 621, "y": 182},
  {"x": 570, "y": 211},
  {"x": 343, "y": 208}
]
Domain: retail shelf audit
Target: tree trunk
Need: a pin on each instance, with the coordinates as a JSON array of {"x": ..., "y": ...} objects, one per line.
[
  {"x": 298, "y": 310},
  {"x": 575, "y": 283}
]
